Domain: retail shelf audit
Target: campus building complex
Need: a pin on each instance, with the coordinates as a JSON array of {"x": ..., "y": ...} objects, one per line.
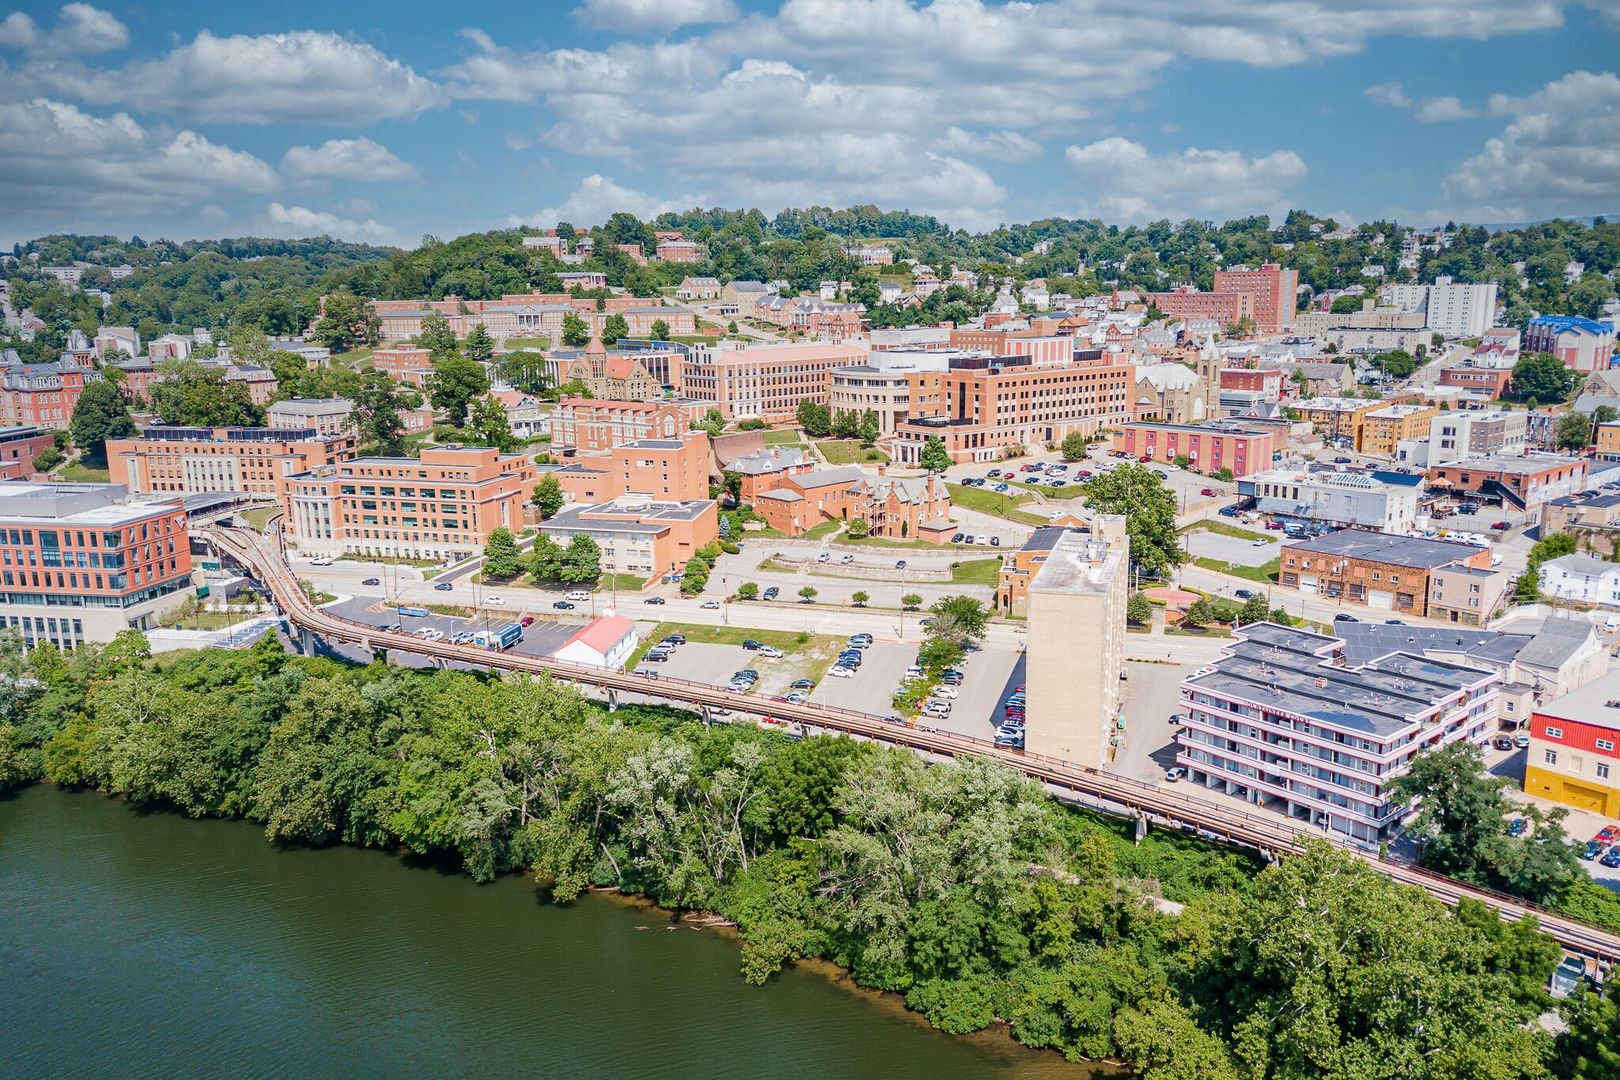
[{"x": 190, "y": 461}]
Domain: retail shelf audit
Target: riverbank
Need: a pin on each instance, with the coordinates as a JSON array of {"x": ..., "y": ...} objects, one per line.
[{"x": 914, "y": 878}]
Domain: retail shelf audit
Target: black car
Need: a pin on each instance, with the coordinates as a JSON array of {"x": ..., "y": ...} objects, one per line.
[
  {"x": 656, "y": 656},
  {"x": 772, "y": 593},
  {"x": 802, "y": 684},
  {"x": 752, "y": 644},
  {"x": 371, "y": 581},
  {"x": 562, "y": 605},
  {"x": 1343, "y": 617},
  {"x": 443, "y": 586},
  {"x": 1341, "y": 460},
  {"x": 674, "y": 639},
  {"x": 655, "y": 600}
]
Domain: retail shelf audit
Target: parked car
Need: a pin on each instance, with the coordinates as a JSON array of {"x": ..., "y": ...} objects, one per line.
[
  {"x": 772, "y": 592},
  {"x": 841, "y": 672},
  {"x": 771, "y": 652},
  {"x": 1502, "y": 526},
  {"x": 750, "y": 644},
  {"x": 674, "y": 639},
  {"x": 1611, "y": 858},
  {"x": 995, "y": 541},
  {"x": 945, "y": 691},
  {"x": 371, "y": 581},
  {"x": 798, "y": 697},
  {"x": 1344, "y": 616},
  {"x": 956, "y": 539},
  {"x": 860, "y": 641},
  {"x": 656, "y": 656},
  {"x": 1503, "y": 742},
  {"x": 1274, "y": 526},
  {"x": 1207, "y": 491},
  {"x": 494, "y": 601},
  {"x": 710, "y": 605},
  {"x": 847, "y": 559},
  {"x": 913, "y": 672},
  {"x": 824, "y": 556},
  {"x": 1518, "y": 827},
  {"x": 802, "y": 684},
  {"x": 656, "y": 600},
  {"x": 443, "y": 586},
  {"x": 1174, "y": 774},
  {"x": 527, "y": 620},
  {"x": 562, "y": 605},
  {"x": 1144, "y": 459},
  {"x": 1341, "y": 460},
  {"x": 1015, "y": 742},
  {"x": 1262, "y": 542},
  {"x": 1242, "y": 594},
  {"x": 1229, "y": 511},
  {"x": 1608, "y": 834},
  {"x": 746, "y": 673},
  {"x": 1592, "y": 850},
  {"x": 1522, "y": 741}
]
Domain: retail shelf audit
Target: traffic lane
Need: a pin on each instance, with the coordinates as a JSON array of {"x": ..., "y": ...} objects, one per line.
[{"x": 871, "y": 689}]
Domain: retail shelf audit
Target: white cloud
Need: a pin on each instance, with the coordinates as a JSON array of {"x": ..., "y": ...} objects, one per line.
[
  {"x": 1387, "y": 93},
  {"x": 345, "y": 159},
  {"x": 1560, "y": 154},
  {"x": 1441, "y": 109},
  {"x": 597, "y": 198},
  {"x": 81, "y": 30},
  {"x": 302, "y": 76},
  {"x": 299, "y": 222},
  {"x": 1001, "y": 145},
  {"x": 1133, "y": 184},
  {"x": 1427, "y": 110},
  {"x": 654, "y": 15}
]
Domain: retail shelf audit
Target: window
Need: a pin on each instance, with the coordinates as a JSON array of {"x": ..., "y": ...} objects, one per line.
[
  {"x": 1605, "y": 744},
  {"x": 1602, "y": 771},
  {"x": 1554, "y": 733},
  {"x": 1550, "y": 756}
]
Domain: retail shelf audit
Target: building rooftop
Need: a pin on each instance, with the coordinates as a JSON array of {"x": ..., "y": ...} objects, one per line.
[
  {"x": 1078, "y": 562},
  {"x": 1598, "y": 702},
  {"x": 626, "y": 515},
  {"x": 1413, "y": 551},
  {"x": 1583, "y": 564},
  {"x": 313, "y": 406},
  {"x": 1528, "y": 465},
  {"x": 1289, "y": 670},
  {"x": 1045, "y": 537},
  {"x": 76, "y": 504},
  {"x": 604, "y": 633}
]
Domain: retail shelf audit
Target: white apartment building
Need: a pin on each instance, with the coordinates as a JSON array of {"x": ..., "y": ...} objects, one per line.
[
  {"x": 1278, "y": 723},
  {"x": 1460, "y": 434},
  {"x": 1339, "y": 499},
  {"x": 1455, "y": 310},
  {"x": 1582, "y": 579}
]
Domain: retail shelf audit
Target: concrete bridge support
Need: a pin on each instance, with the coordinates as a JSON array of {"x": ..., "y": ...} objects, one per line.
[{"x": 1141, "y": 828}]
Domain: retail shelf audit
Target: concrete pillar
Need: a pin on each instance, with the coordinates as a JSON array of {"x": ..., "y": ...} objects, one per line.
[
  {"x": 306, "y": 641},
  {"x": 1141, "y": 828},
  {"x": 612, "y": 699}
]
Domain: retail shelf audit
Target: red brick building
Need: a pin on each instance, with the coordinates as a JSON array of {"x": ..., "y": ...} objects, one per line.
[
  {"x": 593, "y": 426},
  {"x": 1208, "y": 448}
]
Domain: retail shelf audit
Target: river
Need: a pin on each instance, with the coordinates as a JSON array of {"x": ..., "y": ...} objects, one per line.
[{"x": 147, "y": 944}]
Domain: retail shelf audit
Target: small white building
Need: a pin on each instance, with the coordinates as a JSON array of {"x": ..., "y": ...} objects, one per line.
[
  {"x": 1583, "y": 579},
  {"x": 605, "y": 642}
]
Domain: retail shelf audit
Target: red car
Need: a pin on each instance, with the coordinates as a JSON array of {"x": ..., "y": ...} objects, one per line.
[
  {"x": 1274, "y": 525},
  {"x": 1207, "y": 491},
  {"x": 527, "y": 620},
  {"x": 1607, "y": 835},
  {"x": 1144, "y": 459},
  {"x": 1504, "y": 526}
]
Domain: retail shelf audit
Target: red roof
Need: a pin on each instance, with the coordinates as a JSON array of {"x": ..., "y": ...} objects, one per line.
[{"x": 602, "y": 634}]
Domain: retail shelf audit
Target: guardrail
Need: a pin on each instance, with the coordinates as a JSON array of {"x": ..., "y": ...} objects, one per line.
[{"x": 265, "y": 556}]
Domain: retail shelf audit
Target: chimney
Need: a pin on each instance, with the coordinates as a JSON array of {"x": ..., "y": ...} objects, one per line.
[{"x": 883, "y": 470}]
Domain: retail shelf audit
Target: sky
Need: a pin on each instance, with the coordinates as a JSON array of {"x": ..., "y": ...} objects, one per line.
[{"x": 384, "y": 122}]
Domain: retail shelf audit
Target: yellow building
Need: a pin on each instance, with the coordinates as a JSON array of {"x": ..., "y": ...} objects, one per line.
[
  {"x": 1608, "y": 441},
  {"x": 1384, "y": 429},
  {"x": 1076, "y": 653},
  {"x": 1572, "y": 757},
  {"x": 1337, "y": 417}
]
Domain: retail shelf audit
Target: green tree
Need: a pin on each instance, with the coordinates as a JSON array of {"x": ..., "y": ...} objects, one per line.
[
  {"x": 437, "y": 337},
  {"x": 191, "y": 395},
  {"x": 479, "y": 345},
  {"x": 101, "y": 414},
  {"x": 859, "y": 598},
  {"x": 814, "y": 418},
  {"x": 1200, "y": 612},
  {"x": 934, "y": 457},
  {"x": 911, "y": 601},
  {"x": 502, "y": 560},
  {"x": 1073, "y": 446},
  {"x": 858, "y": 528},
  {"x": 1555, "y": 546},
  {"x": 660, "y": 330},
  {"x": 575, "y": 331},
  {"x": 378, "y": 402},
  {"x": 1574, "y": 432},
  {"x": 808, "y": 594},
  {"x": 346, "y": 321},
  {"x": 1150, "y": 513},
  {"x": 1589, "y": 1049},
  {"x": 487, "y": 425},
  {"x": 1541, "y": 378},
  {"x": 748, "y": 590},
  {"x": 846, "y": 424},
  {"x": 454, "y": 384},
  {"x": 614, "y": 327},
  {"x": 1254, "y": 610},
  {"x": 960, "y": 618},
  {"x": 713, "y": 422},
  {"x": 731, "y": 327},
  {"x": 548, "y": 496},
  {"x": 525, "y": 370},
  {"x": 1138, "y": 609},
  {"x": 869, "y": 428},
  {"x": 581, "y": 561}
]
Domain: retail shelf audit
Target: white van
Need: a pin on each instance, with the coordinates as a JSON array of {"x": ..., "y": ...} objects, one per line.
[
  {"x": 578, "y": 596},
  {"x": 1612, "y": 623}
]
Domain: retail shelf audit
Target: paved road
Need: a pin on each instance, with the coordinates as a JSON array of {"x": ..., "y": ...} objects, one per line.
[{"x": 1154, "y": 692}]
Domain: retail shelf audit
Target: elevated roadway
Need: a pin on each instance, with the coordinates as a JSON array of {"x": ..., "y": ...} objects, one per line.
[{"x": 265, "y": 558}]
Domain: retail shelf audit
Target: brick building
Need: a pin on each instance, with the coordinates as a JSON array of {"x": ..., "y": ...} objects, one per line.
[
  {"x": 766, "y": 382},
  {"x": 591, "y": 425},
  {"x": 443, "y": 505},
  {"x": 43, "y": 394},
  {"x": 1385, "y": 571},
  {"x": 19, "y": 446},
  {"x": 1583, "y": 345},
  {"x": 190, "y": 461},
  {"x": 1208, "y": 448},
  {"x": 637, "y": 535},
  {"x": 1385, "y": 428},
  {"x": 83, "y": 562},
  {"x": 1514, "y": 483},
  {"x": 668, "y": 470}
]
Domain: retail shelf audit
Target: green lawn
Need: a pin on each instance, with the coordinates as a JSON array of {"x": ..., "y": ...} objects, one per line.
[
  {"x": 212, "y": 620},
  {"x": 78, "y": 472},
  {"x": 885, "y": 542},
  {"x": 419, "y": 563},
  {"x": 849, "y": 452},
  {"x": 782, "y": 437},
  {"x": 516, "y": 343},
  {"x": 1175, "y": 630},
  {"x": 988, "y": 502},
  {"x": 1225, "y": 529},
  {"x": 826, "y": 528},
  {"x": 1265, "y": 574},
  {"x": 623, "y": 582},
  {"x": 794, "y": 643},
  {"x": 976, "y": 572},
  {"x": 1067, "y": 491},
  {"x": 261, "y": 517}
]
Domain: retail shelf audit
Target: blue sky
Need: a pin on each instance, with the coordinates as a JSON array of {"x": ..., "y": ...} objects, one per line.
[{"x": 385, "y": 121}]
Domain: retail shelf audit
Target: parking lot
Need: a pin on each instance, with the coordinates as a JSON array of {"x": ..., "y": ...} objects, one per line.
[
  {"x": 1152, "y": 695},
  {"x": 542, "y": 638},
  {"x": 702, "y": 662},
  {"x": 988, "y": 676},
  {"x": 1231, "y": 549}
]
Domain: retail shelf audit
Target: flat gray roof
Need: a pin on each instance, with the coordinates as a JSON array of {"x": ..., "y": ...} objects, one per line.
[{"x": 1414, "y": 551}]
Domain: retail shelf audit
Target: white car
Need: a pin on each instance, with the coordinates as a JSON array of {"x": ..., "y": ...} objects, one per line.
[
  {"x": 945, "y": 691},
  {"x": 709, "y": 605},
  {"x": 1262, "y": 542},
  {"x": 913, "y": 672},
  {"x": 770, "y": 652},
  {"x": 321, "y": 560},
  {"x": 1175, "y": 774},
  {"x": 847, "y": 559},
  {"x": 430, "y": 634},
  {"x": 842, "y": 673},
  {"x": 494, "y": 601}
]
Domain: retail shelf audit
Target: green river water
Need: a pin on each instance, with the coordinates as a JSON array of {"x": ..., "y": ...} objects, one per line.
[{"x": 146, "y": 944}]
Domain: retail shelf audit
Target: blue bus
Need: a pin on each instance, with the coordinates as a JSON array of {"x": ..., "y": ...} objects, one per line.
[{"x": 414, "y": 612}]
